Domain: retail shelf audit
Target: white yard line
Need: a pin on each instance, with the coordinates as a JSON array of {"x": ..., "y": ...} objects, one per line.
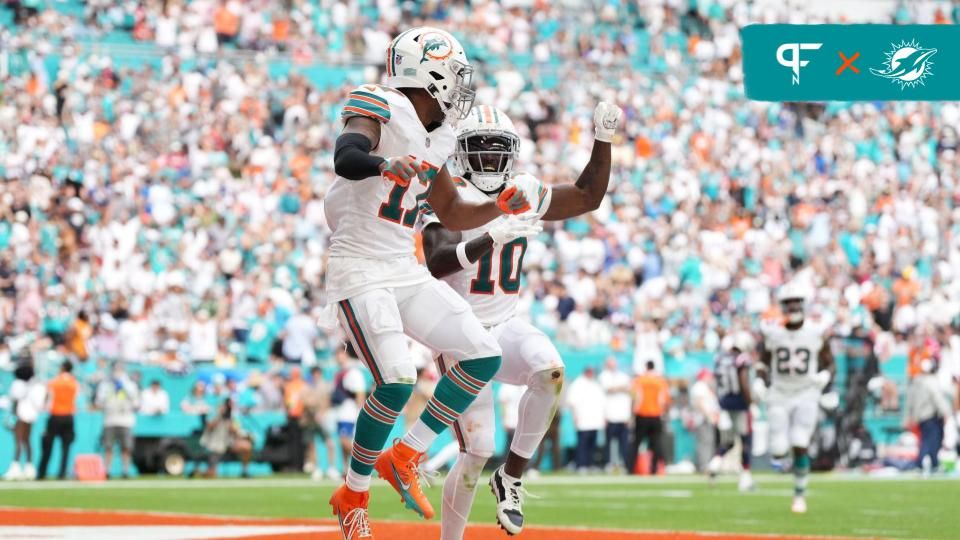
[{"x": 592, "y": 480}]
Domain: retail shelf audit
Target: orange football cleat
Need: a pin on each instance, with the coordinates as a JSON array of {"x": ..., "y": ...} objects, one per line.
[
  {"x": 399, "y": 466},
  {"x": 350, "y": 507}
]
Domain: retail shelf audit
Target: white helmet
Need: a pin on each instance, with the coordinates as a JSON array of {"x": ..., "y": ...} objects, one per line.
[
  {"x": 744, "y": 341},
  {"x": 432, "y": 59},
  {"x": 792, "y": 297},
  {"x": 487, "y": 147}
]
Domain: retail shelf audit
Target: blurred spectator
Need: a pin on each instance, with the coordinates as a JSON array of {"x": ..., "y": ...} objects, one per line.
[
  {"x": 62, "y": 391},
  {"x": 293, "y": 392},
  {"x": 28, "y": 395},
  {"x": 314, "y": 422},
  {"x": 651, "y": 396},
  {"x": 78, "y": 336},
  {"x": 119, "y": 398},
  {"x": 299, "y": 335},
  {"x": 196, "y": 403},
  {"x": 203, "y": 337},
  {"x": 154, "y": 401},
  {"x": 170, "y": 358},
  {"x": 585, "y": 399},
  {"x": 926, "y": 410},
  {"x": 106, "y": 342},
  {"x": 617, "y": 412},
  {"x": 702, "y": 417},
  {"x": 271, "y": 393},
  {"x": 223, "y": 434},
  {"x": 349, "y": 394}
]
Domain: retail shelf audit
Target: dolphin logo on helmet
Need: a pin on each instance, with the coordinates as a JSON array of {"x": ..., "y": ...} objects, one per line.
[{"x": 432, "y": 59}]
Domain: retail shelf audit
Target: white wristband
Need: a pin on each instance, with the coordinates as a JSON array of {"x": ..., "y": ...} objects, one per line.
[{"x": 462, "y": 255}]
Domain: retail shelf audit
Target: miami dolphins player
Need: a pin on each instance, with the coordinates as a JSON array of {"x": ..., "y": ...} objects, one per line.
[
  {"x": 388, "y": 159},
  {"x": 732, "y": 373},
  {"x": 799, "y": 365},
  {"x": 484, "y": 265}
]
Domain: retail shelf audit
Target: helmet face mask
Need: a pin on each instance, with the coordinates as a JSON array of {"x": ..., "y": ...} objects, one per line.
[
  {"x": 488, "y": 158},
  {"x": 487, "y": 149},
  {"x": 460, "y": 99},
  {"x": 793, "y": 309}
]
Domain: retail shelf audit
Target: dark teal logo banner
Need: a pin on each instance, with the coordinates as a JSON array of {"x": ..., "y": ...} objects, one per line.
[{"x": 851, "y": 62}]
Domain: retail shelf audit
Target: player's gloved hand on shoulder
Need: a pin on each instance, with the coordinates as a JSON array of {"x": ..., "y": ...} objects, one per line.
[
  {"x": 606, "y": 119},
  {"x": 512, "y": 201},
  {"x": 823, "y": 378},
  {"x": 508, "y": 229},
  {"x": 402, "y": 169}
]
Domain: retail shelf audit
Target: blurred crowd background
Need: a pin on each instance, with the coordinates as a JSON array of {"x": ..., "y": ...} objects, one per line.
[{"x": 163, "y": 166}]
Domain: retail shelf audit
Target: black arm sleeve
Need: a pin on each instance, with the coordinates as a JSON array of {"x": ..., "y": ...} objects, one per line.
[{"x": 352, "y": 159}]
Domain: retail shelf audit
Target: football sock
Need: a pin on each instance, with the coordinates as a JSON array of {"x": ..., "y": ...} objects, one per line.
[
  {"x": 374, "y": 424},
  {"x": 538, "y": 405},
  {"x": 459, "y": 490},
  {"x": 746, "y": 448},
  {"x": 455, "y": 392},
  {"x": 801, "y": 468}
]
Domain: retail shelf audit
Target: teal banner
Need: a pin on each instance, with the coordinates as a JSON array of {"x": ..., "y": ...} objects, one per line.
[{"x": 851, "y": 62}]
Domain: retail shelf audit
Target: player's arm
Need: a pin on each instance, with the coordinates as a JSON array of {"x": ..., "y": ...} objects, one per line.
[
  {"x": 587, "y": 192},
  {"x": 457, "y": 214},
  {"x": 743, "y": 373},
  {"x": 364, "y": 113},
  {"x": 766, "y": 363},
  {"x": 440, "y": 249},
  {"x": 351, "y": 157},
  {"x": 826, "y": 363}
]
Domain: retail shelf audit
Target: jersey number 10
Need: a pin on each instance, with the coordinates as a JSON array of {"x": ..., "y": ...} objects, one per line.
[{"x": 509, "y": 283}]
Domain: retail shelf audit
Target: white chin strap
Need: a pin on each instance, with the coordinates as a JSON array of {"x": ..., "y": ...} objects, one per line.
[
  {"x": 487, "y": 183},
  {"x": 795, "y": 317}
]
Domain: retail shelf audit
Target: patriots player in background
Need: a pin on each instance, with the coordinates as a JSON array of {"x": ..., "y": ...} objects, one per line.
[
  {"x": 798, "y": 366},
  {"x": 384, "y": 160},
  {"x": 484, "y": 266},
  {"x": 732, "y": 373}
]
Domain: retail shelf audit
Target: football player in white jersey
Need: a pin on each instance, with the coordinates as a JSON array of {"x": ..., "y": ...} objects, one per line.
[
  {"x": 389, "y": 158},
  {"x": 484, "y": 265},
  {"x": 799, "y": 365}
]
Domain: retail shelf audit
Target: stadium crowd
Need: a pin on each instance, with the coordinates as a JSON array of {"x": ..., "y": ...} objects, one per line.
[{"x": 175, "y": 215}]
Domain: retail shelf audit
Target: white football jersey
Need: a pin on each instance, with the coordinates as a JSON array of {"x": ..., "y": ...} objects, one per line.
[
  {"x": 375, "y": 218},
  {"x": 492, "y": 284},
  {"x": 794, "y": 355}
]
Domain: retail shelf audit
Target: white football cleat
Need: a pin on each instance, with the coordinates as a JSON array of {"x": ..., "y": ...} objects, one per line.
[
  {"x": 713, "y": 467},
  {"x": 14, "y": 472},
  {"x": 746, "y": 482},
  {"x": 799, "y": 505},
  {"x": 29, "y": 472},
  {"x": 509, "y": 495},
  {"x": 334, "y": 474}
]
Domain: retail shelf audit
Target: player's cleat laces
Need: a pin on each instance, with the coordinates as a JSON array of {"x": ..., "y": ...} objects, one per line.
[
  {"x": 350, "y": 507},
  {"x": 357, "y": 524},
  {"x": 510, "y": 496}
]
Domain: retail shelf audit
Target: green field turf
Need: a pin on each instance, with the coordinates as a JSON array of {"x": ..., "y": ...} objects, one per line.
[{"x": 842, "y": 506}]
